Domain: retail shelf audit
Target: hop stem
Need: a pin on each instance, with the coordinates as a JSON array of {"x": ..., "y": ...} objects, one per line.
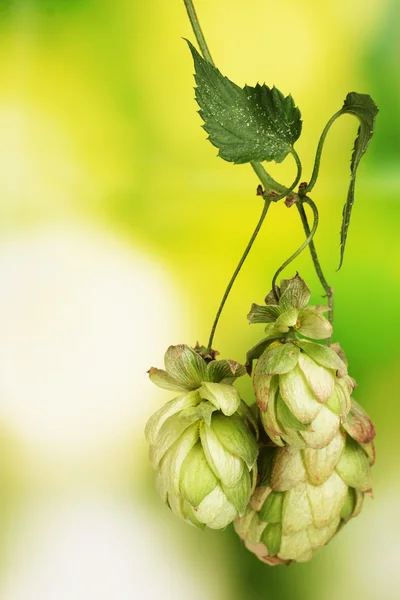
[
  {"x": 304, "y": 245},
  {"x": 315, "y": 259},
  {"x": 194, "y": 21}
]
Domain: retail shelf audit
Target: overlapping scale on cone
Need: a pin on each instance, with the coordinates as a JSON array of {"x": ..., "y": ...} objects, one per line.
[
  {"x": 203, "y": 443},
  {"x": 304, "y": 496}
]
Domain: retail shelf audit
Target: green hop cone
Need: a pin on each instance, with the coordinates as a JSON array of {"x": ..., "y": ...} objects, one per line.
[
  {"x": 203, "y": 443},
  {"x": 305, "y": 496},
  {"x": 302, "y": 387},
  {"x": 303, "y": 390}
]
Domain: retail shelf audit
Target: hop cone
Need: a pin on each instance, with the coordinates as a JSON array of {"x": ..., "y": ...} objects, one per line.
[
  {"x": 305, "y": 496},
  {"x": 302, "y": 387},
  {"x": 202, "y": 443}
]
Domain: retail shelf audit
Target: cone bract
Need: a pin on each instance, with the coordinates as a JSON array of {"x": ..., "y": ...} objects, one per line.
[{"x": 203, "y": 443}]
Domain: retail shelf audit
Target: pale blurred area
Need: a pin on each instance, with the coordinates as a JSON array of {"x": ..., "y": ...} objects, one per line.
[
  {"x": 118, "y": 231},
  {"x": 81, "y": 322}
]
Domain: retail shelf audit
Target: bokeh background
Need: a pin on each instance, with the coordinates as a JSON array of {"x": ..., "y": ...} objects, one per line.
[{"x": 119, "y": 230}]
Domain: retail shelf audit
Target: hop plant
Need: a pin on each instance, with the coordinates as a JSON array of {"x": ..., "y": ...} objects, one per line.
[
  {"x": 203, "y": 443},
  {"x": 302, "y": 387},
  {"x": 305, "y": 496},
  {"x": 315, "y": 466}
]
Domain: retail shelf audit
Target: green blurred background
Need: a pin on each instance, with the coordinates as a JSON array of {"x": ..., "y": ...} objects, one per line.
[{"x": 120, "y": 229}]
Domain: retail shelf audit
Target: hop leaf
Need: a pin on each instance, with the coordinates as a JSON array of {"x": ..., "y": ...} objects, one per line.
[
  {"x": 364, "y": 108},
  {"x": 249, "y": 124}
]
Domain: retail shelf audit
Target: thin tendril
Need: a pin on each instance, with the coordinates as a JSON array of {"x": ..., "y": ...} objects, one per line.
[
  {"x": 299, "y": 250},
  {"x": 237, "y": 270}
]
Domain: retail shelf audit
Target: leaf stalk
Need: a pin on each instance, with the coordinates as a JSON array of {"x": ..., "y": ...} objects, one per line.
[{"x": 317, "y": 161}]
